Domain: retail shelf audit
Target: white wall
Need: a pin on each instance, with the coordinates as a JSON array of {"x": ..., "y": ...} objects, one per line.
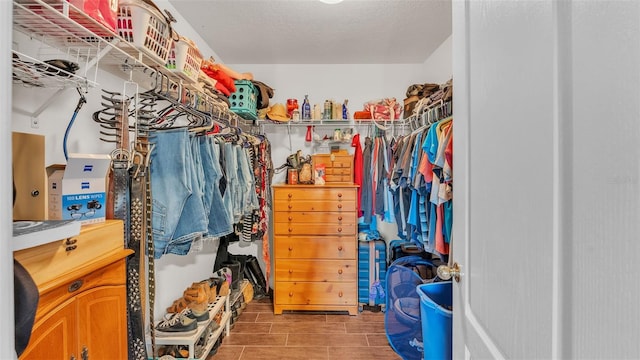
[{"x": 438, "y": 68}]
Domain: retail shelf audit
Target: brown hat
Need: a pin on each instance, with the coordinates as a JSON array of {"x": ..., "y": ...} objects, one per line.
[{"x": 278, "y": 113}]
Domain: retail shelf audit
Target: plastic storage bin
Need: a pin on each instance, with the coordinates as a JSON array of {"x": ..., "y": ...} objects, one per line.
[
  {"x": 184, "y": 60},
  {"x": 435, "y": 313},
  {"x": 145, "y": 27},
  {"x": 244, "y": 100}
]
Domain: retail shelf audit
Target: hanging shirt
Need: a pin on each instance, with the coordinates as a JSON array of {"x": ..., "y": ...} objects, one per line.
[{"x": 357, "y": 169}]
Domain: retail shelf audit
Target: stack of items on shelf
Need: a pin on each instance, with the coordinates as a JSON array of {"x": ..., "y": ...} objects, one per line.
[
  {"x": 380, "y": 109},
  {"x": 420, "y": 96}
]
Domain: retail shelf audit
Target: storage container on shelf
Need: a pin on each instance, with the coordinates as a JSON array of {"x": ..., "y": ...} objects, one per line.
[
  {"x": 245, "y": 100},
  {"x": 146, "y": 28},
  {"x": 185, "y": 59}
]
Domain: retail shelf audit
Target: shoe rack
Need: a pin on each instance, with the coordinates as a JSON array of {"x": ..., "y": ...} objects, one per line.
[{"x": 201, "y": 343}]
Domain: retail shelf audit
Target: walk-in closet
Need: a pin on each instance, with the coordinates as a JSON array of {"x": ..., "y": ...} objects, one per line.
[{"x": 319, "y": 179}]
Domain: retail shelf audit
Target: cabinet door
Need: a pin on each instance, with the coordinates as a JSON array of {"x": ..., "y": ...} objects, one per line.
[
  {"x": 54, "y": 336},
  {"x": 102, "y": 323}
]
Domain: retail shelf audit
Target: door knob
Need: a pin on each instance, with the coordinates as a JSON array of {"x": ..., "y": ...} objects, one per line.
[{"x": 446, "y": 272}]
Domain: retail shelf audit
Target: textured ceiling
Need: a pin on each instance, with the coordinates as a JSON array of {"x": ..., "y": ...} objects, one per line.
[{"x": 311, "y": 32}]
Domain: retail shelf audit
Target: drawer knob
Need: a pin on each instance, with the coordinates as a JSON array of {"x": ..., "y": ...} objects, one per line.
[
  {"x": 339, "y": 195},
  {"x": 290, "y": 248},
  {"x": 340, "y": 271},
  {"x": 339, "y": 229},
  {"x": 290, "y": 229},
  {"x": 290, "y": 271},
  {"x": 290, "y": 218},
  {"x": 291, "y": 294},
  {"x": 340, "y": 248},
  {"x": 290, "y": 195},
  {"x": 74, "y": 286},
  {"x": 339, "y": 206},
  {"x": 339, "y": 218},
  {"x": 290, "y": 206},
  {"x": 340, "y": 294}
]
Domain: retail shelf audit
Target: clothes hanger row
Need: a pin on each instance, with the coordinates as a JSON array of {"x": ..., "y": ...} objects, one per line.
[{"x": 428, "y": 114}]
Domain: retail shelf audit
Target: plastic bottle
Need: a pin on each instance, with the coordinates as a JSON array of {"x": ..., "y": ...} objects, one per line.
[
  {"x": 306, "y": 108},
  {"x": 345, "y": 110}
]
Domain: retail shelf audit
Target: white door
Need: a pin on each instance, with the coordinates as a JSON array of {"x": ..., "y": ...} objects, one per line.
[{"x": 547, "y": 198}]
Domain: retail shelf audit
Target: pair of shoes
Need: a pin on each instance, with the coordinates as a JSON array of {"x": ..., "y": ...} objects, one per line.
[
  {"x": 199, "y": 316},
  {"x": 197, "y": 297},
  {"x": 176, "y": 324}
]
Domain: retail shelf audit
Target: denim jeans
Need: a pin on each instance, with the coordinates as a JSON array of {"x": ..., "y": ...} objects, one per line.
[
  {"x": 219, "y": 220},
  {"x": 232, "y": 194},
  {"x": 178, "y": 210}
]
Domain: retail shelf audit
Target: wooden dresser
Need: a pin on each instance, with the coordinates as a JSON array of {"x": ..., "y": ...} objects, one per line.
[
  {"x": 315, "y": 248},
  {"x": 82, "y": 307}
]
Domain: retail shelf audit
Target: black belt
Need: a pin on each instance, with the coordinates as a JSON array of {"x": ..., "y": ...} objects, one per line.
[{"x": 135, "y": 328}]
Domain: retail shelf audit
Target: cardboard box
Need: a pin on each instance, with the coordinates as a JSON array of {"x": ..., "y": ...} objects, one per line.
[{"x": 79, "y": 190}]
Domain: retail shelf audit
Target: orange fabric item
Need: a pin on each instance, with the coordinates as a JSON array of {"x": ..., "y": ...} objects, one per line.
[
  {"x": 214, "y": 72},
  {"x": 223, "y": 89},
  {"x": 361, "y": 115}
]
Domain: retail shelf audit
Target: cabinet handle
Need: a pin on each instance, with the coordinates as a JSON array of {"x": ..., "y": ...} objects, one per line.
[
  {"x": 290, "y": 195},
  {"x": 339, "y": 218},
  {"x": 340, "y": 271},
  {"x": 340, "y": 248},
  {"x": 85, "y": 353},
  {"x": 71, "y": 241},
  {"x": 74, "y": 286},
  {"x": 339, "y": 195},
  {"x": 339, "y": 229},
  {"x": 340, "y": 294},
  {"x": 339, "y": 206}
]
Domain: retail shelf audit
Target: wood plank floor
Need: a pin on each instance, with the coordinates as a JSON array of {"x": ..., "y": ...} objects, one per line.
[{"x": 259, "y": 334}]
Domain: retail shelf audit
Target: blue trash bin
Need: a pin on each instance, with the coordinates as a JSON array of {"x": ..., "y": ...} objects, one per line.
[{"x": 435, "y": 314}]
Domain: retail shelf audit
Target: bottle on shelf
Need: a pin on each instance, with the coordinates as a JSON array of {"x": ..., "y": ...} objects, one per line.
[
  {"x": 328, "y": 105},
  {"x": 345, "y": 110},
  {"x": 306, "y": 108}
]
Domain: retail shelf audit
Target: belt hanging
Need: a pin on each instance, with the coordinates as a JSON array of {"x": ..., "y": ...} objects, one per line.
[{"x": 135, "y": 319}]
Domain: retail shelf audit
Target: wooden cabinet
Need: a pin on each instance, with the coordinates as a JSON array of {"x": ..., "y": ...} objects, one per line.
[
  {"x": 338, "y": 166},
  {"x": 315, "y": 248},
  {"x": 82, "y": 307}
]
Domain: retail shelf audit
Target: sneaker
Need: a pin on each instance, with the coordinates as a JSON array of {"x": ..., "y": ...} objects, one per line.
[
  {"x": 176, "y": 324},
  {"x": 199, "y": 316}
]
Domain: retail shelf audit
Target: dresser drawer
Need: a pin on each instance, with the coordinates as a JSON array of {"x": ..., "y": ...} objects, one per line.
[
  {"x": 322, "y": 206},
  {"x": 311, "y": 216},
  {"x": 316, "y": 293},
  {"x": 316, "y": 270},
  {"x": 320, "y": 229},
  {"x": 338, "y": 178},
  {"x": 312, "y": 192},
  {"x": 315, "y": 247},
  {"x": 47, "y": 263}
]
